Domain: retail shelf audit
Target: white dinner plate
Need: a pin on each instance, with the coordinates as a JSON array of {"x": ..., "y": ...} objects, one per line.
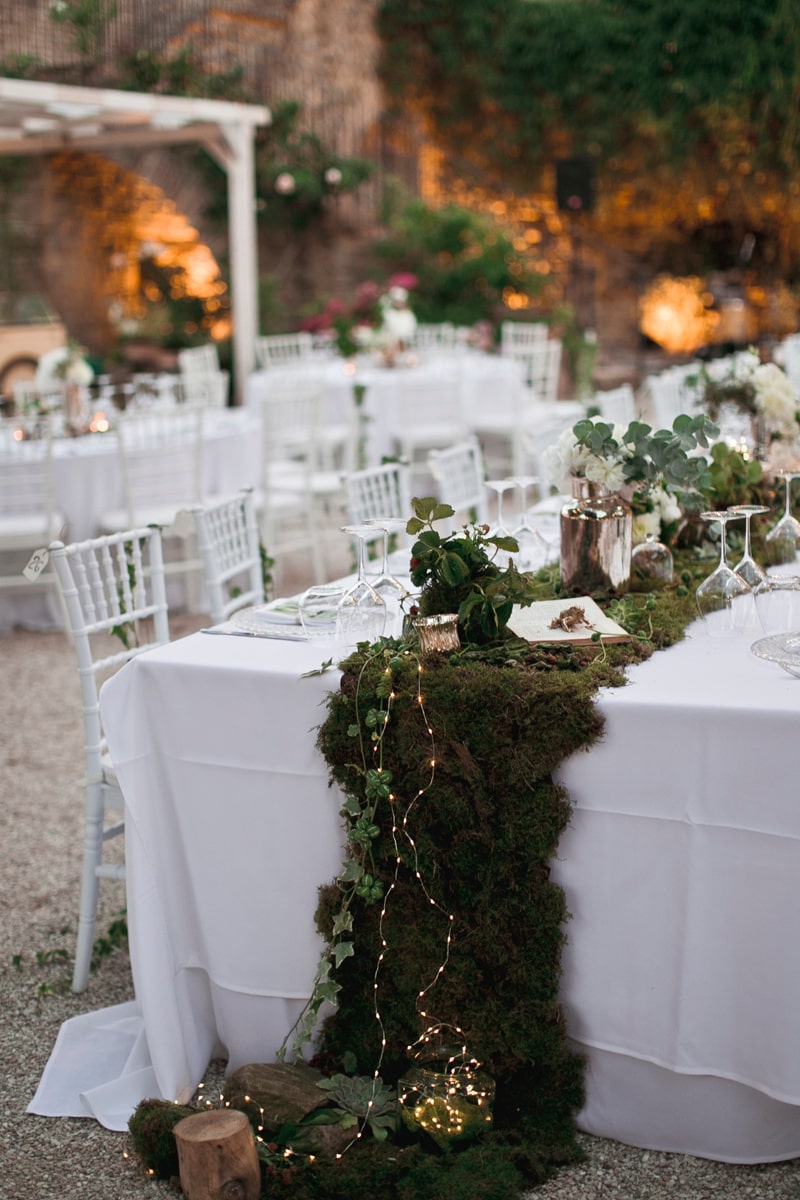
[
  {"x": 279, "y": 618},
  {"x": 780, "y": 648}
]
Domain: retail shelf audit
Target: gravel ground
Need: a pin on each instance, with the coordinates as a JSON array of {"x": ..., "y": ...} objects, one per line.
[{"x": 40, "y": 830}]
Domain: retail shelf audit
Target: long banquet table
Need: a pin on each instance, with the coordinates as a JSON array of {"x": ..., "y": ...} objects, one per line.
[
  {"x": 87, "y": 483},
  {"x": 681, "y": 978},
  {"x": 485, "y": 382}
]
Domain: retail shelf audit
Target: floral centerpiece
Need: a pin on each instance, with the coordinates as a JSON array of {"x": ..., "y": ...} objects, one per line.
[
  {"x": 379, "y": 317},
  {"x": 606, "y": 467},
  {"x": 761, "y": 391},
  {"x": 62, "y": 366}
]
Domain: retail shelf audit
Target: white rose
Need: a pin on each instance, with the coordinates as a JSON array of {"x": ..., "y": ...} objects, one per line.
[
  {"x": 333, "y": 176},
  {"x": 606, "y": 471},
  {"x": 79, "y": 371},
  {"x": 775, "y": 398},
  {"x": 285, "y": 184},
  {"x": 400, "y": 323}
]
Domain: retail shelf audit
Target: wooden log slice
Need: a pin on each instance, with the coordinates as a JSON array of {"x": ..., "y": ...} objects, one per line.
[{"x": 217, "y": 1156}]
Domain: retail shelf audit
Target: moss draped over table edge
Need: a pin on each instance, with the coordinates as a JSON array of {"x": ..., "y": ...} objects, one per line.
[{"x": 504, "y": 718}]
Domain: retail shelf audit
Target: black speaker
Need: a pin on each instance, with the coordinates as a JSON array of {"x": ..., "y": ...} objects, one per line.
[{"x": 575, "y": 184}]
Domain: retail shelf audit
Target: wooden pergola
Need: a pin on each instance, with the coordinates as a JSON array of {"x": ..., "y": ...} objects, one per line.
[{"x": 46, "y": 118}]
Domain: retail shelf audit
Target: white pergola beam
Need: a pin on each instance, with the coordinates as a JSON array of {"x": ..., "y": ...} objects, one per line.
[{"x": 49, "y": 118}]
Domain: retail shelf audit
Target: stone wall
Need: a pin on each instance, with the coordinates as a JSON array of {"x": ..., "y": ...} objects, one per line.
[{"x": 319, "y": 53}]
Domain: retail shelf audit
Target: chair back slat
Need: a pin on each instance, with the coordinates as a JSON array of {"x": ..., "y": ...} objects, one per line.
[
  {"x": 161, "y": 460},
  {"x": 227, "y": 534},
  {"x": 520, "y": 337},
  {"x": 283, "y": 349},
  {"x": 459, "y": 473},
  {"x": 378, "y": 492}
]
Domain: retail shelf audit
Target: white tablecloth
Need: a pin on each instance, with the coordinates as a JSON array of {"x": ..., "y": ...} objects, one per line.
[
  {"x": 87, "y": 483},
  {"x": 681, "y": 977},
  {"x": 485, "y": 381}
]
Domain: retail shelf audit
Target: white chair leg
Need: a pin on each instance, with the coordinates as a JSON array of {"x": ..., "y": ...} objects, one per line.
[{"x": 87, "y": 918}]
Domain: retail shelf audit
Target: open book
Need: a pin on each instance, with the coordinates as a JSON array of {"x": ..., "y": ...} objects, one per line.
[{"x": 573, "y": 619}]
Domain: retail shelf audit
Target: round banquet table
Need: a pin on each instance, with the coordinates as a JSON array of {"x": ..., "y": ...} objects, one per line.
[{"x": 87, "y": 483}]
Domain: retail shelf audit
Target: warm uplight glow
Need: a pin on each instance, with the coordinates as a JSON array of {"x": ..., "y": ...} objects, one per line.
[
  {"x": 675, "y": 314},
  {"x": 128, "y": 221}
]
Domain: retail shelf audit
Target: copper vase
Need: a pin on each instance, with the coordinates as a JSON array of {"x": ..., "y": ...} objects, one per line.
[{"x": 595, "y": 541}]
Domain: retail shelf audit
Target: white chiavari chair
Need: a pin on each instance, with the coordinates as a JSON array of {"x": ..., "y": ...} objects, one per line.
[
  {"x": 227, "y": 537},
  {"x": 284, "y": 349},
  {"x": 114, "y": 597},
  {"x": 460, "y": 473}
]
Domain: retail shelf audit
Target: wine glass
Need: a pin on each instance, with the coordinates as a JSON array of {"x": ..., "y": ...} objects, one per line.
[
  {"x": 500, "y": 486},
  {"x": 747, "y": 567},
  {"x": 361, "y": 614},
  {"x": 716, "y": 595},
  {"x": 787, "y": 530},
  {"x": 534, "y": 550},
  {"x": 387, "y": 585}
]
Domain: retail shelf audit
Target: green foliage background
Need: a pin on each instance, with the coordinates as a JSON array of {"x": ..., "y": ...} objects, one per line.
[{"x": 658, "y": 77}]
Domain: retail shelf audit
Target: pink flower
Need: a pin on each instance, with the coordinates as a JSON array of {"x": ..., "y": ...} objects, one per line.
[
  {"x": 367, "y": 295},
  {"x": 404, "y": 279}
]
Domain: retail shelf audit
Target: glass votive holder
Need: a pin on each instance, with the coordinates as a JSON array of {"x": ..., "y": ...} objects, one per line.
[
  {"x": 651, "y": 562},
  {"x": 319, "y": 608},
  {"x": 438, "y": 633},
  {"x": 777, "y": 603}
]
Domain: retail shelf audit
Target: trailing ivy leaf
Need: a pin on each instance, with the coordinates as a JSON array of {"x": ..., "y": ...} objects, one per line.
[
  {"x": 320, "y": 670},
  {"x": 351, "y": 871},
  {"x": 351, "y": 806},
  {"x": 341, "y": 951},
  {"x": 329, "y": 990},
  {"x": 352, "y": 731},
  {"x": 343, "y": 922}
]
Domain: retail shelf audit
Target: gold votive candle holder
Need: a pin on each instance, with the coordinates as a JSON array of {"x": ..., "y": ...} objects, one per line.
[{"x": 438, "y": 633}]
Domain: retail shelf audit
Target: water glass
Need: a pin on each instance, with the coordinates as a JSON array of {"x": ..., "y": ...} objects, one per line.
[
  {"x": 777, "y": 603},
  {"x": 319, "y": 608}
]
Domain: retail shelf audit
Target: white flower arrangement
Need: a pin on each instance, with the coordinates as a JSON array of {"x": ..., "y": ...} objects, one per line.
[
  {"x": 568, "y": 458},
  {"x": 776, "y": 401},
  {"x": 397, "y": 319},
  {"x": 65, "y": 364},
  {"x": 654, "y": 467},
  {"x": 761, "y": 389},
  {"x": 664, "y": 511}
]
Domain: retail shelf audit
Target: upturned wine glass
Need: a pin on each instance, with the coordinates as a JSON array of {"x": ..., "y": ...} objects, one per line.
[
  {"x": 500, "y": 486},
  {"x": 387, "y": 585},
  {"x": 747, "y": 567},
  {"x": 787, "y": 530},
  {"x": 534, "y": 550},
  {"x": 717, "y": 595},
  {"x": 361, "y": 615}
]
